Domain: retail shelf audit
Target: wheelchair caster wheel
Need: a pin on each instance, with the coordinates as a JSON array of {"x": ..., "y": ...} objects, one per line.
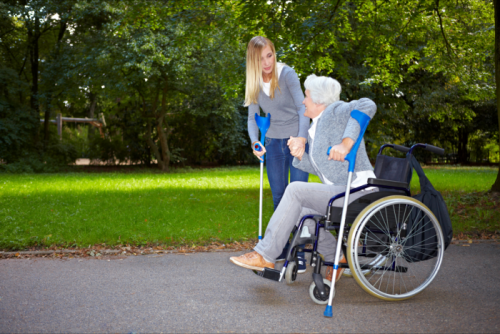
[
  {"x": 291, "y": 272},
  {"x": 316, "y": 296}
]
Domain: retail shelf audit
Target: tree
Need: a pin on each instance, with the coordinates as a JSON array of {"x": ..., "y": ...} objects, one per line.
[
  {"x": 35, "y": 44},
  {"x": 167, "y": 58},
  {"x": 496, "y": 8},
  {"x": 429, "y": 58},
  {"x": 155, "y": 63}
]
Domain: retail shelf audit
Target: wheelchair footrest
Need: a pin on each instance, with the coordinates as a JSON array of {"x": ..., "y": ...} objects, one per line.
[{"x": 271, "y": 274}]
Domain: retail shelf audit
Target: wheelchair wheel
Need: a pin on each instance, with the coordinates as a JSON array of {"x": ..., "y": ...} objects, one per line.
[
  {"x": 405, "y": 239},
  {"x": 316, "y": 296},
  {"x": 291, "y": 272}
]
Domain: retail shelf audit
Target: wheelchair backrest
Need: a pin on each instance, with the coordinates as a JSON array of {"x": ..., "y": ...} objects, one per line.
[{"x": 393, "y": 169}]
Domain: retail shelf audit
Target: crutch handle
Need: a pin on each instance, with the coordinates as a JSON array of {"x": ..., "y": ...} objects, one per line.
[{"x": 363, "y": 120}]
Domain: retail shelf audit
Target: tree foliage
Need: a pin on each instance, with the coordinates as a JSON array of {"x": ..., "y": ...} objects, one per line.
[
  {"x": 169, "y": 76},
  {"x": 429, "y": 64}
]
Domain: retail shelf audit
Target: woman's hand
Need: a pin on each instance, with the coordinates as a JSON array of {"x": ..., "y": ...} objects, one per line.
[
  {"x": 339, "y": 152},
  {"x": 258, "y": 154},
  {"x": 297, "y": 146}
]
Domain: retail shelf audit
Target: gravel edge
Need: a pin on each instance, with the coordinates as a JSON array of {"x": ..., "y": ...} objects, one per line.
[{"x": 184, "y": 251}]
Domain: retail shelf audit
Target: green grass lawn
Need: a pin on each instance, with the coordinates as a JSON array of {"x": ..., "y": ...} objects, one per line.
[
  {"x": 473, "y": 212},
  {"x": 184, "y": 207}
]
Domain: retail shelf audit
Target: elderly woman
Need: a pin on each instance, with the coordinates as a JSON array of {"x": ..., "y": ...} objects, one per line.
[{"x": 332, "y": 126}]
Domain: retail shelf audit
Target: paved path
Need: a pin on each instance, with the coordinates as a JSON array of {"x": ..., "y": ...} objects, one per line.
[{"x": 206, "y": 293}]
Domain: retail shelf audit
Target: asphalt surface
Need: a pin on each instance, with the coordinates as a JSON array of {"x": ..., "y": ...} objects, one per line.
[{"x": 206, "y": 293}]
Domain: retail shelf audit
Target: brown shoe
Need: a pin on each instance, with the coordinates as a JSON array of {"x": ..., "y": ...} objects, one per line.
[
  {"x": 252, "y": 260},
  {"x": 340, "y": 271}
]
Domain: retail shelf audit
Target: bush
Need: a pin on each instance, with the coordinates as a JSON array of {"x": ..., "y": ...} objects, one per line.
[
  {"x": 107, "y": 149},
  {"x": 17, "y": 122},
  {"x": 57, "y": 157},
  {"x": 26, "y": 159}
]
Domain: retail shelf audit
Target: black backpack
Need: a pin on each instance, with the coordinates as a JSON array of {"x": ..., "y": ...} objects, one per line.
[{"x": 427, "y": 235}]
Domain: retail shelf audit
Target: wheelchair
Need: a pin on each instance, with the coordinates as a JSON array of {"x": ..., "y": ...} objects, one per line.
[{"x": 393, "y": 243}]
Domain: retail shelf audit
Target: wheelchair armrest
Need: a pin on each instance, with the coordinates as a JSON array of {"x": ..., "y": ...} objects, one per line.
[
  {"x": 319, "y": 218},
  {"x": 389, "y": 183}
]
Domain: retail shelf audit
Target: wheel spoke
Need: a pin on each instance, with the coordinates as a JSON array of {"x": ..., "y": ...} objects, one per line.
[{"x": 415, "y": 226}]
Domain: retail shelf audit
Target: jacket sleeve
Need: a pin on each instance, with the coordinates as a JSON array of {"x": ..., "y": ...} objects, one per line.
[
  {"x": 367, "y": 107},
  {"x": 304, "y": 165},
  {"x": 253, "y": 129},
  {"x": 293, "y": 83}
]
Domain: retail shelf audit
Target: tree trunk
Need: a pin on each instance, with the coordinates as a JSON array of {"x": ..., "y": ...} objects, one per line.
[
  {"x": 147, "y": 160},
  {"x": 162, "y": 138},
  {"x": 160, "y": 150},
  {"x": 162, "y": 135},
  {"x": 463, "y": 139},
  {"x": 50, "y": 93},
  {"x": 152, "y": 144},
  {"x": 48, "y": 107},
  {"x": 33, "y": 37},
  {"x": 496, "y": 8},
  {"x": 93, "y": 102},
  {"x": 149, "y": 132},
  {"x": 46, "y": 124}
]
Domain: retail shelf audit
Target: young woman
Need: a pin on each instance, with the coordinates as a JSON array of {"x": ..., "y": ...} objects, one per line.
[{"x": 275, "y": 88}]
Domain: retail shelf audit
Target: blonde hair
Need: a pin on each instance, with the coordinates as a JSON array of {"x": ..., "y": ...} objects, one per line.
[{"x": 254, "y": 70}]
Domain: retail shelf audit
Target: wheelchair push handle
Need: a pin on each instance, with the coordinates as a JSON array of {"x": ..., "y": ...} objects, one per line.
[
  {"x": 427, "y": 147},
  {"x": 435, "y": 149},
  {"x": 399, "y": 148}
]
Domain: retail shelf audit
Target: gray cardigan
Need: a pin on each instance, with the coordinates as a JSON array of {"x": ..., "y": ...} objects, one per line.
[
  {"x": 287, "y": 110},
  {"x": 334, "y": 125}
]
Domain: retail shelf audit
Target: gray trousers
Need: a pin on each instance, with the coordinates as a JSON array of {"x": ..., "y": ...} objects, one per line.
[{"x": 300, "y": 199}]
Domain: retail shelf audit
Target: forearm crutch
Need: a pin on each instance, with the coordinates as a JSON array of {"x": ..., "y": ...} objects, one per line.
[
  {"x": 263, "y": 123},
  {"x": 363, "y": 121}
]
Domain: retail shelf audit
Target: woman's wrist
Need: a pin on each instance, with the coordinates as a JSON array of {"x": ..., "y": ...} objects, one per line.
[{"x": 302, "y": 139}]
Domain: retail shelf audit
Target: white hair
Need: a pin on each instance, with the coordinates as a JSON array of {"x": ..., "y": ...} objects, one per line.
[{"x": 323, "y": 90}]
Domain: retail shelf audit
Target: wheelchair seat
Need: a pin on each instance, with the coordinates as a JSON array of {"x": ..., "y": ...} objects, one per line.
[{"x": 355, "y": 207}]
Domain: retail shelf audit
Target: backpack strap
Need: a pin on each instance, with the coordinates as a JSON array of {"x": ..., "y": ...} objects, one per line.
[{"x": 424, "y": 181}]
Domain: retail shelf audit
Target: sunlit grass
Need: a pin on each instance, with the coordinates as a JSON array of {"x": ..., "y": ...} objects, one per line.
[
  {"x": 193, "y": 207},
  {"x": 81, "y": 209},
  {"x": 464, "y": 179}
]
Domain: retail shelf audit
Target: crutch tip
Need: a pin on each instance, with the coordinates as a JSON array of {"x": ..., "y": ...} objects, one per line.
[{"x": 328, "y": 311}]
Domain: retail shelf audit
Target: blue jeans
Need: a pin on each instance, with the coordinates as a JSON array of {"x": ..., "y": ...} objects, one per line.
[{"x": 279, "y": 163}]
